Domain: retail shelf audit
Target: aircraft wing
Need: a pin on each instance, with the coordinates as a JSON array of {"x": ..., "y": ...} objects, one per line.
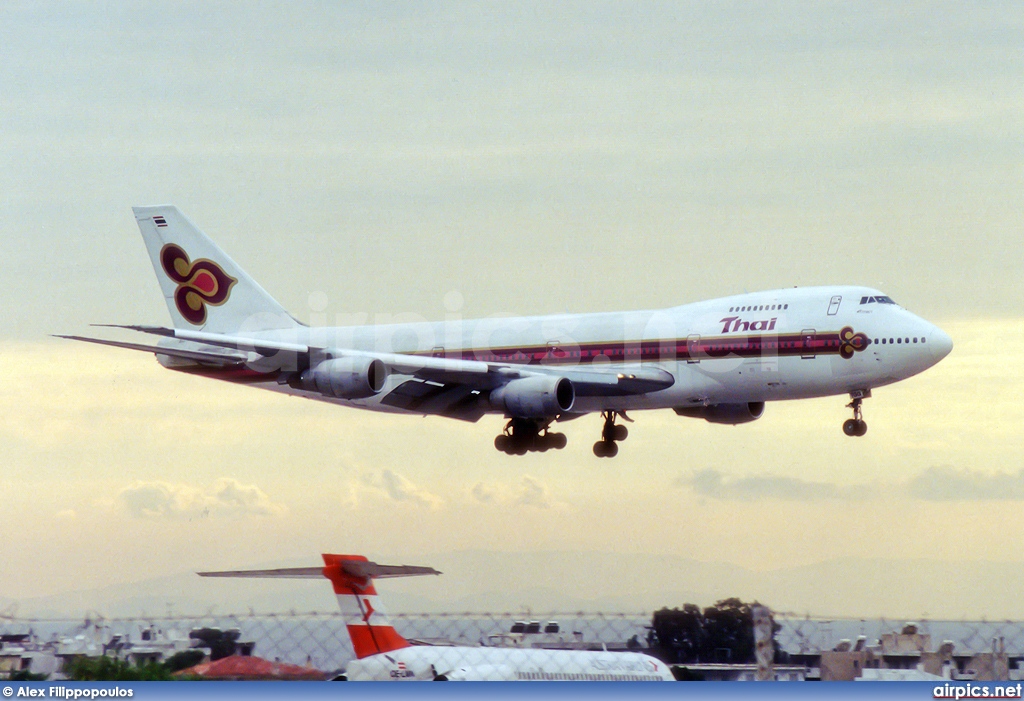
[{"x": 437, "y": 385}]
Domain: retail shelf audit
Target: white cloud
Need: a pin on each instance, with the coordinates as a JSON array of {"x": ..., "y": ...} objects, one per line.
[
  {"x": 398, "y": 488},
  {"x": 528, "y": 492},
  {"x": 934, "y": 484},
  {"x": 482, "y": 493},
  {"x": 533, "y": 493},
  {"x": 225, "y": 497},
  {"x": 712, "y": 483},
  {"x": 948, "y": 483}
]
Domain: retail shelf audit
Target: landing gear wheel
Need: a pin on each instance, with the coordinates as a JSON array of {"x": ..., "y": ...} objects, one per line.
[
  {"x": 611, "y": 432},
  {"x": 557, "y": 440},
  {"x": 856, "y": 426},
  {"x": 525, "y": 435}
]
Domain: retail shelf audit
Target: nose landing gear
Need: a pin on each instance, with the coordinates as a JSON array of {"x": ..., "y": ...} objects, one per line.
[
  {"x": 610, "y": 433},
  {"x": 856, "y": 426}
]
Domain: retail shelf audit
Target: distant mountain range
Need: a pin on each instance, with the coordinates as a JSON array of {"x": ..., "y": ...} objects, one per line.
[{"x": 483, "y": 581}]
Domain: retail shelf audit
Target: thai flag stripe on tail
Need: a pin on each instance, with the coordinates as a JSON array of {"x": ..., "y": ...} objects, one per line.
[{"x": 159, "y": 221}]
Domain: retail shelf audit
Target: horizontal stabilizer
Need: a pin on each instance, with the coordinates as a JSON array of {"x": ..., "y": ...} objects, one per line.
[
  {"x": 285, "y": 573},
  {"x": 239, "y": 343},
  {"x": 183, "y": 353},
  {"x": 354, "y": 568},
  {"x": 375, "y": 571}
]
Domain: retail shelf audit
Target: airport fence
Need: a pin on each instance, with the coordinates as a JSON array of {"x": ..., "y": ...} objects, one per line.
[{"x": 320, "y": 640}]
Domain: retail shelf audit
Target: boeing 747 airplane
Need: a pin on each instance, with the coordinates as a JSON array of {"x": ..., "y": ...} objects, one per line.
[{"x": 720, "y": 360}]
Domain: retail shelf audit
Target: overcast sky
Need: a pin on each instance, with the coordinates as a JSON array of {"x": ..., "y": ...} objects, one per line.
[{"x": 516, "y": 158}]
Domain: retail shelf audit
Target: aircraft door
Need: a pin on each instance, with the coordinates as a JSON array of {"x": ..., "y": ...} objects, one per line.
[
  {"x": 833, "y": 305},
  {"x": 555, "y": 353},
  {"x": 807, "y": 343},
  {"x": 693, "y": 348}
]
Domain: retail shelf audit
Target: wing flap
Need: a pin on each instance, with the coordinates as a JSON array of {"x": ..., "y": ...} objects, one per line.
[{"x": 452, "y": 399}]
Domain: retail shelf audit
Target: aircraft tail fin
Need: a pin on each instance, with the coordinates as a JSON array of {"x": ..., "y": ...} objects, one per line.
[
  {"x": 352, "y": 577},
  {"x": 204, "y": 289}
]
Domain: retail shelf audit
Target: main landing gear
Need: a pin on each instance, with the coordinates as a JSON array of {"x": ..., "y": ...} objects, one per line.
[
  {"x": 856, "y": 426},
  {"x": 522, "y": 436},
  {"x": 612, "y": 432}
]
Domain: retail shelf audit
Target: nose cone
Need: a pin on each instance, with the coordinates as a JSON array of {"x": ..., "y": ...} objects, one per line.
[{"x": 939, "y": 343}]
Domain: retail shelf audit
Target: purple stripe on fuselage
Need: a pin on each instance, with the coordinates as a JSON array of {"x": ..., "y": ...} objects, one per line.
[{"x": 747, "y": 346}]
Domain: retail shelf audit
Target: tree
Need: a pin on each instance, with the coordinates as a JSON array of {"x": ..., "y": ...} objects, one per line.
[
  {"x": 720, "y": 633},
  {"x": 730, "y": 632},
  {"x": 678, "y": 634},
  {"x": 108, "y": 669},
  {"x": 183, "y": 660},
  {"x": 221, "y": 643}
]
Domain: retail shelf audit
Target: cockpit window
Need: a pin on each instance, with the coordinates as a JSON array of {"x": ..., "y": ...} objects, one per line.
[{"x": 876, "y": 299}]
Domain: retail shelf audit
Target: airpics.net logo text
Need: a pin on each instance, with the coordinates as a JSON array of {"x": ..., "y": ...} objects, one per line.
[{"x": 977, "y": 691}]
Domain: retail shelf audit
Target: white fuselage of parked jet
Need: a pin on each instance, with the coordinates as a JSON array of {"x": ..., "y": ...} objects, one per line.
[{"x": 506, "y": 664}]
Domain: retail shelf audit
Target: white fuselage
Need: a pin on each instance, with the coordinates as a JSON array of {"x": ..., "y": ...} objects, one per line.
[
  {"x": 762, "y": 346},
  {"x": 424, "y": 663}
]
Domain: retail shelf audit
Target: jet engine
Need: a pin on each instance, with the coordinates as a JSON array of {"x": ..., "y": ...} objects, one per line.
[
  {"x": 346, "y": 378},
  {"x": 724, "y": 413},
  {"x": 535, "y": 397}
]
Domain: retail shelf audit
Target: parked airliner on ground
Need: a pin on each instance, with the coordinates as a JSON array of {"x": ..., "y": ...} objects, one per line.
[
  {"x": 719, "y": 360},
  {"x": 384, "y": 655}
]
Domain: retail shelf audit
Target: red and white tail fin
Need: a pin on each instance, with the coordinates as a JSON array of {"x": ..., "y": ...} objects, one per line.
[
  {"x": 352, "y": 577},
  {"x": 364, "y": 615}
]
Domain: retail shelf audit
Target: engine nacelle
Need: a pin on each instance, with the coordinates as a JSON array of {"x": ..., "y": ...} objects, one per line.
[
  {"x": 535, "y": 397},
  {"x": 346, "y": 378},
  {"x": 724, "y": 413}
]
